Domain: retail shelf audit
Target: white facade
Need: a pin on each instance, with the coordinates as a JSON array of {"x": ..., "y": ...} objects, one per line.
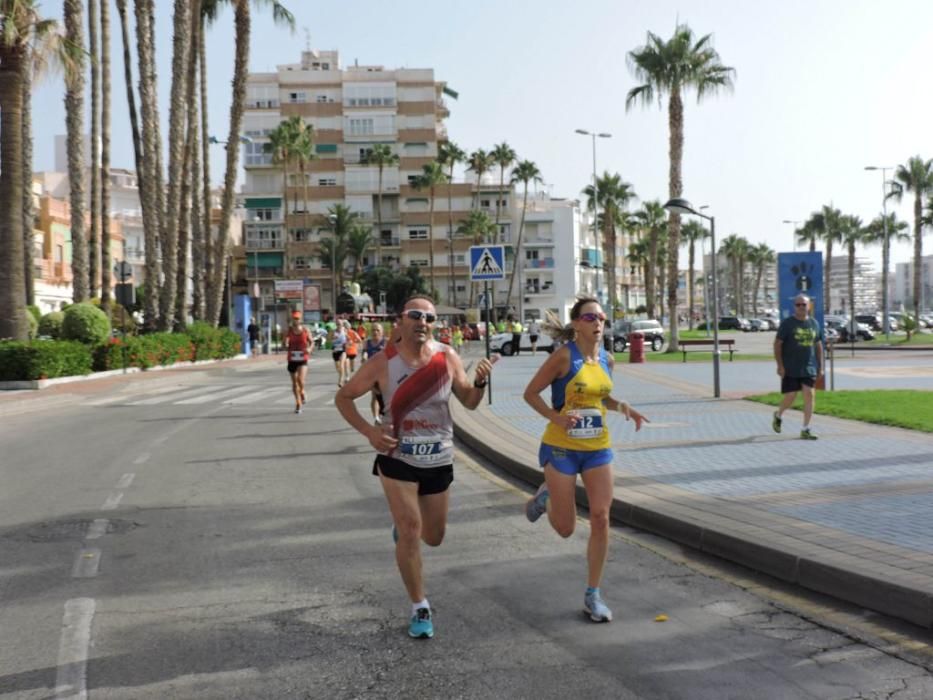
[{"x": 903, "y": 281}]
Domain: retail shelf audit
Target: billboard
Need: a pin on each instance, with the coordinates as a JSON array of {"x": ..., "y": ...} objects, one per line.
[
  {"x": 800, "y": 273},
  {"x": 312, "y": 297},
  {"x": 289, "y": 290}
]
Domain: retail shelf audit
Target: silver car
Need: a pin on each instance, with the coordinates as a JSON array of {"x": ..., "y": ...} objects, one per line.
[{"x": 502, "y": 343}]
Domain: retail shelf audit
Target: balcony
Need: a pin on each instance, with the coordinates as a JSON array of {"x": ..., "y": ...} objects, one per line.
[
  {"x": 273, "y": 244},
  {"x": 390, "y": 242},
  {"x": 540, "y": 264}
]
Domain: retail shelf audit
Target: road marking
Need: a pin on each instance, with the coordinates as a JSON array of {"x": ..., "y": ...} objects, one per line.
[
  {"x": 125, "y": 481},
  {"x": 171, "y": 397},
  {"x": 252, "y": 398},
  {"x": 71, "y": 675},
  {"x": 144, "y": 457},
  {"x": 97, "y": 529},
  {"x": 86, "y": 563},
  {"x": 113, "y": 500},
  {"x": 215, "y": 395}
]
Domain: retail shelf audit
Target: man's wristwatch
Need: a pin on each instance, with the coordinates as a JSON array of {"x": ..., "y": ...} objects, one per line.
[{"x": 480, "y": 384}]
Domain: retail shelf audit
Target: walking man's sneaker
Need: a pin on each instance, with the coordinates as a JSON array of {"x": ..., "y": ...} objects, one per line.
[
  {"x": 776, "y": 423},
  {"x": 421, "y": 626},
  {"x": 594, "y": 606},
  {"x": 805, "y": 434},
  {"x": 537, "y": 505}
]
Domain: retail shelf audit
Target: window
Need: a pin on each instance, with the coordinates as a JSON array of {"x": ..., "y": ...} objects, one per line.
[
  {"x": 419, "y": 262},
  {"x": 461, "y": 287},
  {"x": 459, "y": 259},
  {"x": 531, "y": 254},
  {"x": 301, "y": 234},
  {"x": 297, "y": 97},
  {"x": 320, "y": 98},
  {"x": 265, "y": 214},
  {"x": 417, "y": 234},
  {"x": 485, "y": 203},
  {"x": 255, "y": 154},
  {"x": 412, "y": 179},
  {"x": 300, "y": 262},
  {"x": 327, "y": 181},
  {"x": 361, "y": 127}
]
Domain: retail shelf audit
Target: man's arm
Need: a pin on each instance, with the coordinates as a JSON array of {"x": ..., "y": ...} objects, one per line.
[
  {"x": 778, "y": 355},
  {"x": 466, "y": 391},
  {"x": 360, "y": 383}
]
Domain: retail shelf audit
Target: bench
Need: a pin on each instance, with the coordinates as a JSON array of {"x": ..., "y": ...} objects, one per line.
[{"x": 728, "y": 343}]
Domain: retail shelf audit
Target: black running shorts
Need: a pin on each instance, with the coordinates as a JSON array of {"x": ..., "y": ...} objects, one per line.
[
  {"x": 790, "y": 385},
  {"x": 430, "y": 480},
  {"x": 293, "y": 366}
]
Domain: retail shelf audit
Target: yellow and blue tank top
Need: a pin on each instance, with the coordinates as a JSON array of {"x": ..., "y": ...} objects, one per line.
[{"x": 581, "y": 392}]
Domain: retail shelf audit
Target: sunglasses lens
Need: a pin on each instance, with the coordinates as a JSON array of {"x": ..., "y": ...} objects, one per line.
[{"x": 417, "y": 315}]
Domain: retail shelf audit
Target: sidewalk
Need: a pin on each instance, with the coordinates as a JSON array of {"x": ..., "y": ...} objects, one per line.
[{"x": 849, "y": 515}]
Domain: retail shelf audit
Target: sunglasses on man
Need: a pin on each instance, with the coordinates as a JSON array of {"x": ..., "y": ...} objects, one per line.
[{"x": 418, "y": 314}]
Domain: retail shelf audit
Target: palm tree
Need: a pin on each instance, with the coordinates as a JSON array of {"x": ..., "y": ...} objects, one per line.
[
  {"x": 827, "y": 227},
  {"x": 897, "y": 230},
  {"x": 449, "y": 154},
  {"x": 807, "y": 234},
  {"x": 359, "y": 240},
  {"x": 94, "y": 200},
  {"x": 691, "y": 232},
  {"x": 24, "y": 37},
  {"x": 760, "y": 256},
  {"x": 334, "y": 251},
  {"x": 342, "y": 220},
  {"x": 614, "y": 195},
  {"x": 241, "y": 23},
  {"x": 502, "y": 155},
  {"x": 479, "y": 162},
  {"x": 652, "y": 217},
  {"x": 432, "y": 175},
  {"x": 479, "y": 227},
  {"x": 105, "y": 79},
  {"x": 525, "y": 171},
  {"x": 671, "y": 67},
  {"x": 382, "y": 156},
  {"x": 852, "y": 233},
  {"x": 734, "y": 248},
  {"x": 916, "y": 176},
  {"x": 28, "y": 207}
]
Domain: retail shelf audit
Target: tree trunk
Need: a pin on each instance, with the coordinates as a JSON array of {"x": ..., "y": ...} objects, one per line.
[
  {"x": 12, "y": 310},
  {"x": 197, "y": 223},
  {"x": 379, "y": 220},
  {"x": 691, "y": 282},
  {"x": 761, "y": 269},
  {"x": 450, "y": 235},
  {"x": 651, "y": 271},
  {"x": 852, "y": 282},
  {"x": 150, "y": 177},
  {"x": 675, "y": 188},
  {"x": 106, "y": 262},
  {"x": 209, "y": 295},
  {"x": 885, "y": 261},
  {"x": 242, "y": 24},
  {"x": 94, "y": 200},
  {"x": 171, "y": 219},
  {"x": 518, "y": 253},
  {"x": 29, "y": 212},
  {"x": 74, "y": 121},
  {"x": 431, "y": 244},
  {"x": 918, "y": 255}
]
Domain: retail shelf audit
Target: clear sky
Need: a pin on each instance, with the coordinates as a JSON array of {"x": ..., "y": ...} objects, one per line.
[{"x": 823, "y": 88}]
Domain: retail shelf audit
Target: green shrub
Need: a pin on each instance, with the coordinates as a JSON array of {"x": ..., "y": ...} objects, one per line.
[
  {"x": 147, "y": 351},
  {"x": 86, "y": 324},
  {"x": 206, "y": 340},
  {"x": 33, "y": 326},
  {"x": 43, "y": 359},
  {"x": 51, "y": 324},
  {"x": 34, "y": 310},
  {"x": 231, "y": 344}
]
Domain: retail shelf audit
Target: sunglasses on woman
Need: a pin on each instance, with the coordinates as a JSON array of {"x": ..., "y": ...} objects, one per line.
[
  {"x": 418, "y": 314},
  {"x": 590, "y": 317}
]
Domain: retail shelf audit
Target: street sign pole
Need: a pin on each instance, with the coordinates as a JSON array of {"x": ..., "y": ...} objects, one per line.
[
  {"x": 487, "y": 262},
  {"x": 486, "y": 301}
]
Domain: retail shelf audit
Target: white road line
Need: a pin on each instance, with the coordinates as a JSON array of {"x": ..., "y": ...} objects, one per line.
[
  {"x": 86, "y": 563},
  {"x": 125, "y": 481},
  {"x": 97, "y": 529},
  {"x": 164, "y": 399},
  {"x": 215, "y": 395},
  {"x": 254, "y": 398},
  {"x": 134, "y": 390},
  {"x": 71, "y": 675},
  {"x": 113, "y": 500},
  {"x": 143, "y": 458}
]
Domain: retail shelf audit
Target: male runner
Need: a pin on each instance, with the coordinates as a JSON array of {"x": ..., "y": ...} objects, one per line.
[
  {"x": 416, "y": 376},
  {"x": 298, "y": 342}
]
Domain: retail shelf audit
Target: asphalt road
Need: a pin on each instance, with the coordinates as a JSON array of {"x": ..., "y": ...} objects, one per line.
[{"x": 187, "y": 536}]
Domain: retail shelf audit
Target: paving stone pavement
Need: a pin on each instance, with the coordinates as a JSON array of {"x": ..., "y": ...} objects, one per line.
[{"x": 850, "y": 514}]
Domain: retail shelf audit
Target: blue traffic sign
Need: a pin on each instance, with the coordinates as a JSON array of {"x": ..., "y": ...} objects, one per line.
[{"x": 487, "y": 262}]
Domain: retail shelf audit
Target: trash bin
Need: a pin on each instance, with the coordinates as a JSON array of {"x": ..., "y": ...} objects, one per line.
[{"x": 636, "y": 347}]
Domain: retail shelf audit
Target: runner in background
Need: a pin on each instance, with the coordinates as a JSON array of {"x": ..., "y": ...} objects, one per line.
[
  {"x": 298, "y": 345},
  {"x": 338, "y": 344},
  {"x": 374, "y": 344},
  {"x": 353, "y": 349}
]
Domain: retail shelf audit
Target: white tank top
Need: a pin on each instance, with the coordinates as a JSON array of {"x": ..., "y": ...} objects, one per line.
[{"x": 418, "y": 408}]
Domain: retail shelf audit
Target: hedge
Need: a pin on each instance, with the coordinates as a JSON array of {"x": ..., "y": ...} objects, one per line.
[{"x": 43, "y": 359}]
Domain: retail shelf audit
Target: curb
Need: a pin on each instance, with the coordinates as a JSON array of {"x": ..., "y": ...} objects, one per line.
[
  {"x": 737, "y": 534},
  {"x": 45, "y": 383}
]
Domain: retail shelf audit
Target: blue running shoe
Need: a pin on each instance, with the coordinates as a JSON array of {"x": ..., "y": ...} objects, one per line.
[
  {"x": 421, "y": 626},
  {"x": 537, "y": 504},
  {"x": 594, "y": 606}
]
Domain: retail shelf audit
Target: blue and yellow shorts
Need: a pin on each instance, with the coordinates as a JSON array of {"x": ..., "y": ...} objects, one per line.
[{"x": 572, "y": 462}]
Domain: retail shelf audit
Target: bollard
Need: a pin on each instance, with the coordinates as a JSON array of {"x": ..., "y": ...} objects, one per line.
[{"x": 636, "y": 347}]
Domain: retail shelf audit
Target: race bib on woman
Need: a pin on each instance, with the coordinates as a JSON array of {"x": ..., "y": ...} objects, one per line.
[
  {"x": 589, "y": 423},
  {"x": 296, "y": 356}
]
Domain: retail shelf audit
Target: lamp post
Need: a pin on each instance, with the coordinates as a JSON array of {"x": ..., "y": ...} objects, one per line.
[
  {"x": 682, "y": 206},
  {"x": 885, "y": 251},
  {"x": 332, "y": 218},
  {"x": 793, "y": 236},
  {"x": 594, "y": 135}
]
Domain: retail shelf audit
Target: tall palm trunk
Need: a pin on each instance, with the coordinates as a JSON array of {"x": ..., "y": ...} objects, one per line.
[
  {"x": 675, "y": 188},
  {"x": 128, "y": 79},
  {"x": 651, "y": 271},
  {"x": 181, "y": 43},
  {"x": 94, "y": 201},
  {"x": 518, "y": 252},
  {"x": 74, "y": 124},
  {"x": 28, "y": 207},
  {"x": 499, "y": 206},
  {"x": 852, "y": 309},
  {"x": 828, "y": 270},
  {"x": 431, "y": 243},
  {"x": 197, "y": 223},
  {"x": 918, "y": 253},
  {"x": 105, "y": 257},
  {"x": 12, "y": 311},
  {"x": 379, "y": 219},
  {"x": 450, "y": 236},
  {"x": 242, "y": 24},
  {"x": 150, "y": 177},
  {"x": 691, "y": 282},
  {"x": 761, "y": 269},
  {"x": 207, "y": 311}
]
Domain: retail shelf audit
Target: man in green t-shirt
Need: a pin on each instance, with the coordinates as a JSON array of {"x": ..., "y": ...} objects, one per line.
[{"x": 798, "y": 350}]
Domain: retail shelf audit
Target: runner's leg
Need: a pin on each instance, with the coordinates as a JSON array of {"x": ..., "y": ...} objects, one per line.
[
  {"x": 402, "y": 497},
  {"x": 434, "y": 517},
  {"x": 598, "y": 484},
  {"x": 301, "y": 374},
  {"x": 562, "y": 506}
]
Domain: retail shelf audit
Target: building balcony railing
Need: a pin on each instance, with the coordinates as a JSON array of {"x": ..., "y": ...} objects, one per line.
[
  {"x": 390, "y": 242},
  {"x": 540, "y": 263},
  {"x": 274, "y": 244}
]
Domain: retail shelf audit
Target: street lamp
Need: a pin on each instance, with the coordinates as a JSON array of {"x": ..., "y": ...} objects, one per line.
[
  {"x": 332, "y": 218},
  {"x": 793, "y": 235},
  {"x": 885, "y": 250},
  {"x": 682, "y": 206},
  {"x": 594, "y": 135},
  {"x": 242, "y": 139}
]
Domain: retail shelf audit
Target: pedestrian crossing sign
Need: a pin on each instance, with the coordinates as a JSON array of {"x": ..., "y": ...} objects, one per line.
[{"x": 487, "y": 262}]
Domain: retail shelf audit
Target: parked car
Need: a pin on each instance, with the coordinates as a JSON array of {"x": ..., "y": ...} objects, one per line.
[
  {"x": 651, "y": 329},
  {"x": 502, "y": 343},
  {"x": 832, "y": 335},
  {"x": 762, "y": 324},
  {"x": 841, "y": 325},
  {"x": 734, "y": 323}
]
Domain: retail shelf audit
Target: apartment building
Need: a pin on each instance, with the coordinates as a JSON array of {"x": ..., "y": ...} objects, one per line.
[
  {"x": 903, "y": 284},
  {"x": 351, "y": 109}
]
